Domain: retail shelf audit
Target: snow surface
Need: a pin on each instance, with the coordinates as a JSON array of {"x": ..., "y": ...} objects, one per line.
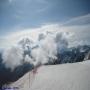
[{"x": 74, "y": 76}]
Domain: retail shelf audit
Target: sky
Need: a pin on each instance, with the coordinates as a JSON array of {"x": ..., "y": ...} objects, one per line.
[
  {"x": 35, "y": 13},
  {"x": 21, "y": 16}
]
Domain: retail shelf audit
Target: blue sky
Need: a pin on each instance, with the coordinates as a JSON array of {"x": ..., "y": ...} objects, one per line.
[{"x": 34, "y": 13}]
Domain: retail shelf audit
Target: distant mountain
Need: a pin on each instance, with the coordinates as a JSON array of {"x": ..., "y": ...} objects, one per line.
[{"x": 73, "y": 54}]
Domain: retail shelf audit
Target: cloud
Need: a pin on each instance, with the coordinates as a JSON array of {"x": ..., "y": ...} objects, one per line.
[
  {"x": 62, "y": 42},
  {"x": 13, "y": 57},
  {"x": 80, "y": 20},
  {"x": 81, "y": 23},
  {"x": 48, "y": 40},
  {"x": 41, "y": 51},
  {"x": 10, "y": 1},
  {"x": 47, "y": 50},
  {"x": 12, "y": 37}
]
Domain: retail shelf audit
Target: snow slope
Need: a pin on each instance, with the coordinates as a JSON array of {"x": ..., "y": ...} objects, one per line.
[{"x": 74, "y": 76}]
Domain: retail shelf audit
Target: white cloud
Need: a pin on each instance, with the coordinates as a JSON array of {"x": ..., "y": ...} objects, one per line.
[
  {"x": 28, "y": 59},
  {"x": 50, "y": 40},
  {"x": 45, "y": 50},
  {"x": 13, "y": 57},
  {"x": 62, "y": 41},
  {"x": 80, "y": 20},
  {"x": 10, "y": 1},
  {"x": 13, "y": 37}
]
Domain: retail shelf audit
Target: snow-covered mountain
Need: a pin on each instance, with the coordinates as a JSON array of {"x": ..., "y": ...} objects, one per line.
[{"x": 74, "y": 76}]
